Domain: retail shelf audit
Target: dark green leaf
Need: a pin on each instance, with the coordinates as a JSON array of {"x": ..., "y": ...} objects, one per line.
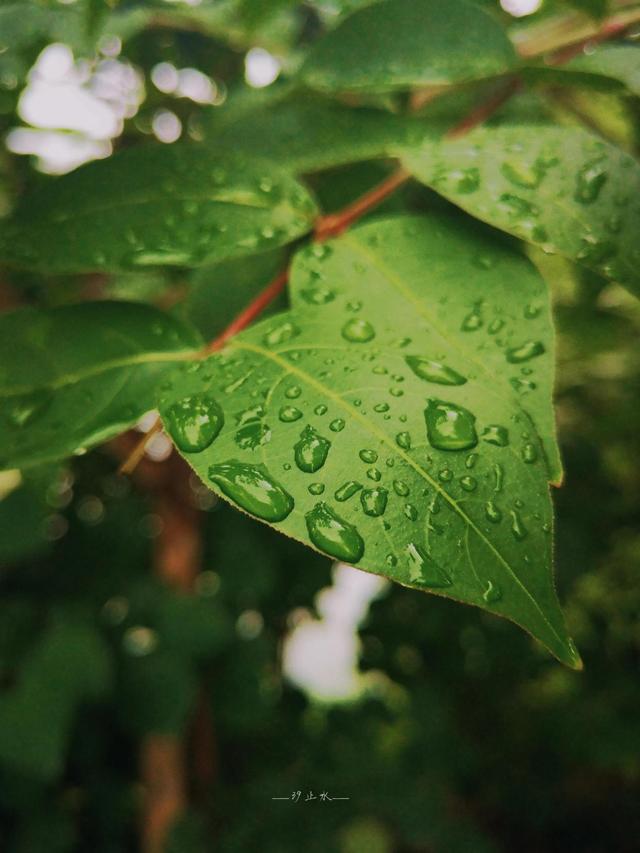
[
  {"x": 179, "y": 204},
  {"x": 74, "y": 376},
  {"x": 560, "y": 188},
  {"x": 398, "y": 418},
  {"x": 399, "y": 44}
]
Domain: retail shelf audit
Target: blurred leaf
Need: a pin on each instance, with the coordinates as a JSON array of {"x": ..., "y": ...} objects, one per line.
[
  {"x": 299, "y": 446},
  {"x": 76, "y": 375},
  {"x": 559, "y": 188},
  {"x": 400, "y": 44},
  {"x": 177, "y": 204}
]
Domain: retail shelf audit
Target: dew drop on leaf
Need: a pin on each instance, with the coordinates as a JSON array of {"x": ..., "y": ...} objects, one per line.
[
  {"x": 337, "y": 425},
  {"x": 524, "y": 352},
  {"x": 496, "y": 434},
  {"x": 493, "y": 513},
  {"x": 374, "y": 501},
  {"x": 320, "y": 409},
  {"x": 469, "y": 484},
  {"x": 411, "y": 512},
  {"x": 374, "y": 474},
  {"x": 316, "y": 488},
  {"x": 498, "y": 474},
  {"x": 492, "y": 593},
  {"x": 403, "y": 440},
  {"x": 400, "y": 488},
  {"x": 450, "y": 427},
  {"x": 368, "y": 456},
  {"x": 517, "y": 526},
  {"x": 523, "y": 174},
  {"x": 194, "y": 422},
  {"x": 334, "y": 535},
  {"x": 253, "y": 488},
  {"x": 288, "y": 414},
  {"x": 434, "y": 371},
  {"x": 529, "y": 453},
  {"x": 422, "y": 569},
  {"x": 318, "y": 295},
  {"x": 280, "y": 334},
  {"x": 589, "y": 181},
  {"x": 358, "y": 331},
  {"x": 347, "y": 490},
  {"x": 310, "y": 453},
  {"x": 292, "y": 392}
]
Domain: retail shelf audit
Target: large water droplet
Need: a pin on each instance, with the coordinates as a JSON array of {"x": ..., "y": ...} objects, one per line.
[
  {"x": 253, "y": 488},
  {"x": 450, "y": 427},
  {"x": 496, "y": 434},
  {"x": 194, "y": 422},
  {"x": 374, "y": 501},
  {"x": 422, "y": 569},
  {"x": 434, "y": 371},
  {"x": 524, "y": 352},
  {"x": 589, "y": 181},
  {"x": 310, "y": 453},
  {"x": 358, "y": 331},
  {"x": 347, "y": 490},
  {"x": 334, "y": 535}
]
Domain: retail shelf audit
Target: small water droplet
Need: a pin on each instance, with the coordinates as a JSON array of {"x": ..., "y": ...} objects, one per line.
[
  {"x": 589, "y": 180},
  {"x": 253, "y": 489},
  {"x": 524, "y": 352},
  {"x": 391, "y": 560},
  {"x": 471, "y": 460},
  {"x": 469, "y": 484},
  {"x": 519, "y": 207},
  {"x": 523, "y": 174},
  {"x": 347, "y": 490},
  {"x": 374, "y": 501},
  {"x": 492, "y": 593},
  {"x": 318, "y": 295},
  {"x": 472, "y": 321},
  {"x": 337, "y": 425},
  {"x": 194, "y": 422},
  {"x": 522, "y": 385},
  {"x": 498, "y": 474},
  {"x": 403, "y": 440},
  {"x": 401, "y": 488},
  {"x": 288, "y": 414},
  {"x": 316, "y": 488},
  {"x": 374, "y": 474},
  {"x": 422, "y": 569},
  {"x": 381, "y": 407},
  {"x": 411, "y": 512},
  {"x": 310, "y": 453},
  {"x": 531, "y": 311},
  {"x": 517, "y": 526},
  {"x": 496, "y": 434},
  {"x": 293, "y": 391},
  {"x": 529, "y": 453},
  {"x": 434, "y": 371},
  {"x": 333, "y": 535},
  {"x": 368, "y": 456},
  {"x": 280, "y": 334},
  {"x": 449, "y": 427},
  {"x": 320, "y": 409},
  {"x": 358, "y": 331},
  {"x": 493, "y": 513}
]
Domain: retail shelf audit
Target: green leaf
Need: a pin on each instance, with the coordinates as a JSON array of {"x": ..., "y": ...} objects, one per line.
[
  {"x": 398, "y": 417},
  {"x": 620, "y": 63},
  {"x": 562, "y": 189},
  {"x": 74, "y": 376},
  {"x": 177, "y": 204},
  {"x": 304, "y": 133},
  {"x": 399, "y": 44}
]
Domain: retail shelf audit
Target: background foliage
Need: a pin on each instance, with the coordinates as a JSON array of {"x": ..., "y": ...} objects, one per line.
[{"x": 143, "y": 704}]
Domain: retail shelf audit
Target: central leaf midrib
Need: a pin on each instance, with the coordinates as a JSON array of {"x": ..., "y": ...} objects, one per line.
[{"x": 236, "y": 344}]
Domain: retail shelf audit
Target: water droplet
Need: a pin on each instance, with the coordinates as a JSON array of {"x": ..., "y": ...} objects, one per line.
[
  {"x": 253, "y": 431},
  {"x": 374, "y": 501},
  {"x": 374, "y": 474},
  {"x": 445, "y": 475},
  {"x": 320, "y": 409},
  {"x": 523, "y": 174},
  {"x": 358, "y": 331},
  {"x": 334, "y": 535},
  {"x": 434, "y": 371},
  {"x": 492, "y": 593},
  {"x": 522, "y": 385},
  {"x": 524, "y": 352},
  {"x": 403, "y": 440},
  {"x": 449, "y": 427},
  {"x": 529, "y": 453},
  {"x": 495, "y": 326},
  {"x": 280, "y": 334},
  {"x": 391, "y": 560},
  {"x": 318, "y": 295},
  {"x": 465, "y": 181},
  {"x": 316, "y": 488},
  {"x": 293, "y": 391},
  {"x": 531, "y": 311},
  {"x": 411, "y": 512},
  {"x": 381, "y": 407},
  {"x": 471, "y": 460},
  {"x": 519, "y": 207},
  {"x": 368, "y": 456},
  {"x": 337, "y": 425},
  {"x": 496, "y": 434},
  {"x": 493, "y": 513},
  {"x": 24, "y": 409},
  {"x": 589, "y": 181},
  {"x": 517, "y": 525},
  {"x": 472, "y": 321},
  {"x": 288, "y": 414},
  {"x": 194, "y": 422},
  {"x": 311, "y": 452},
  {"x": 347, "y": 490},
  {"x": 422, "y": 569},
  {"x": 400, "y": 488},
  {"x": 469, "y": 484},
  {"x": 253, "y": 489},
  {"x": 498, "y": 473}
]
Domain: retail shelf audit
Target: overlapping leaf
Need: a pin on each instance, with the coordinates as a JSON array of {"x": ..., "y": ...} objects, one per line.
[
  {"x": 74, "y": 376},
  {"x": 560, "y": 188},
  {"x": 398, "y": 417},
  {"x": 149, "y": 206},
  {"x": 399, "y": 44}
]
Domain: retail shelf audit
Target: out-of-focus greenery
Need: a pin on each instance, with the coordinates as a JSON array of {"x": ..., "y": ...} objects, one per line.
[{"x": 468, "y": 738}]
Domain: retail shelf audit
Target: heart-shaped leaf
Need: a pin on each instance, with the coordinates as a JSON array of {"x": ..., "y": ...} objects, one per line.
[
  {"x": 74, "y": 376},
  {"x": 399, "y": 44},
  {"x": 176, "y": 204},
  {"x": 398, "y": 417},
  {"x": 560, "y": 188}
]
